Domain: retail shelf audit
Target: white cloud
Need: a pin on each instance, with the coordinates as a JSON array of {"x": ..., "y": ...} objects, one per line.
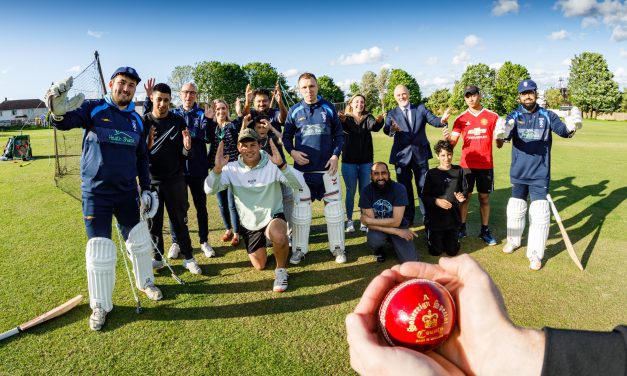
[
  {"x": 386, "y": 66},
  {"x": 502, "y": 7},
  {"x": 293, "y": 72},
  {"x": 611, "y": 13},
  {"x": 623, "y": 53},
  {"x": 548, "y": 78},
  {"x": 345, "y": 84},
  {"x": 365, "y": 56},
  {"x": 97, "y": 34},
  {"x": 397, "y": 48},
  {"x": 620, "y": 75},
  {"x": 566, "y": 62},
  {"x": 589, "y": 22},
  {"x": 431, "y": 84},
  {"x": 431, "y": 60},
  {"x": 559, "y": 35},
  {"x": 461, "y": 58},
  {"x": 471, "y": 40},
  {"x": 619, "y": 34},
  {"x": 496, "y": 65},
  {"x": 74, "y": 69}
]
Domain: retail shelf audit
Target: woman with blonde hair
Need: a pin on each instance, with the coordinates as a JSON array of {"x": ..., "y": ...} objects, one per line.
[
  {"x": 225, "y": 131},
  {"x": 357, "y": 154}
]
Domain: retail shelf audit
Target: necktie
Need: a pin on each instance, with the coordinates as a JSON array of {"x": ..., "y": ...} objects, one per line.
[{"x": 406, "y": 115}]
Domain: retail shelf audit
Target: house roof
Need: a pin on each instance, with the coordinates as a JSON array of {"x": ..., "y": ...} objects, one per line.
[{"x": 22, "y": 104}]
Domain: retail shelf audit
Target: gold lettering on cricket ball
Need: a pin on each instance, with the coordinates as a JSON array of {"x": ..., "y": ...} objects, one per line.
[{"x": 433, "y": 319}]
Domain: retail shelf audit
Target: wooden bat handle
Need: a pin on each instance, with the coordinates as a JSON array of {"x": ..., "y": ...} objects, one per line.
[{"x": 52, "y": 313}]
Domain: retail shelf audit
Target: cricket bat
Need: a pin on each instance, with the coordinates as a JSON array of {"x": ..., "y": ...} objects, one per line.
[
  {"x": 58, "y": 311},
  {"x": 569, "y": 245}
]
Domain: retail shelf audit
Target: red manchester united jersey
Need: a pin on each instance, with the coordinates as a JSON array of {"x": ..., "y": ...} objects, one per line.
[{"x": 476, "y": 131}]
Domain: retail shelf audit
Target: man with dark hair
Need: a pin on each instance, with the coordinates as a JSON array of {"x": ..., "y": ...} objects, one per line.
[
  {"x": 410, "y": 152},
  {"x": 114, "y": 156},
  {"x": 530, "y": 128},
  {"x": 313, "y": 136},
  {"x": 169, "y": 144},
  {"x": 261, "y": 105},
  {"x": 443, "y": 192},
  {"x": 196, "y": 167},
  {"x": 255, "y": 179},
  {"x": 382, "y": 204}
]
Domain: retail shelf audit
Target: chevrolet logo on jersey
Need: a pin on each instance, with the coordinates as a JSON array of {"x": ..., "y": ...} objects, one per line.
[{"x": 476, "y": 131}]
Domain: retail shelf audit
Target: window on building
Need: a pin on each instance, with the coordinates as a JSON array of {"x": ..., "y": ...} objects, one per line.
[{"x": 13, "y": 112}]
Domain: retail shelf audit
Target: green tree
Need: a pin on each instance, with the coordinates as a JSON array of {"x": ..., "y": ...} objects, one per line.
[
  {"x": 623, "y": 105},
  {"x": 368, "y": 88},
  {"x": 328, "y": 90},
  {"x": 264, "y": 75},
  {"x": 553, "y": 98},
  {"x": 353, "y": 89},
  {"x": 506, "y": 87},
  {"x": 382, "y": 86},
  {"x": 181, "y": 74},
  {"x": 401, "y": 77},
  {"x": 479, "y": 75},
  {"x": 591, "y": 85},
  {"x": 437, "y": 102},
  {"x": 218, "y": 80}
]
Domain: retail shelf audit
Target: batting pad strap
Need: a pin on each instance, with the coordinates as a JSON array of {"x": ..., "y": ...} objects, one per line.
[
  {"x": 100, "y": 258},
  {"x": 139, "y": 247},
  {"x": 332, "y": 188},
  {"x": 301, "y": 220}
]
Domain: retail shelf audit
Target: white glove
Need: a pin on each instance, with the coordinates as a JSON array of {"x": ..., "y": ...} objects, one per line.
[
  {"x": 56, "y": 98},
  {"x": 502, "y": 128},
  {"x": 149, "y": 203},
  {"x": 575, "y": 117}
]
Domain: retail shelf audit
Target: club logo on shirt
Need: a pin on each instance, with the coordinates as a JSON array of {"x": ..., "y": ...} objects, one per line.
[
  {"x": 134, "y": 123},
  {"x": 541, "y": 122},
  {"x": 119, "y": 137},
  {"x": 484, "y": 121},
  {"x": 324, "y": 117},
  {"x": 252, "y": 181}
]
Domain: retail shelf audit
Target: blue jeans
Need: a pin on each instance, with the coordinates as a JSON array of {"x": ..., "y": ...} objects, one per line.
[
  {"x": 228, "y": 212},
  {"x": 351, "y": 173}
]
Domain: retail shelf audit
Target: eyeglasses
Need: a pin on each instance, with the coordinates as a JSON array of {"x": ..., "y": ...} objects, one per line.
[{"x": 187, "y": 92}]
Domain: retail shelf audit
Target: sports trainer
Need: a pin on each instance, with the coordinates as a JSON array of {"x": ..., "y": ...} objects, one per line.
[
  {"x": 411, "y": 151},
  {"x": 315, "y": 125},
  {"x": 255, "y": 179},
  {"x": 114, "y": 156},
  {"x": 530, "y": 128}
]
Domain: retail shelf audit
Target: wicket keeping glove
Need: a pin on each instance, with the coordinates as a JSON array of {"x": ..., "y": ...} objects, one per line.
[
  {"x": 574, "y": 120},
  {"x": 503, "y": 128},
  {"x": 149, "y": 203},
  {"x": 56, "y": 99}
]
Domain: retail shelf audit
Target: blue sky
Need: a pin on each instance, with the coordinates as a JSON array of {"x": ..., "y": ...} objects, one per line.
[{"x": 434, "y": 41}]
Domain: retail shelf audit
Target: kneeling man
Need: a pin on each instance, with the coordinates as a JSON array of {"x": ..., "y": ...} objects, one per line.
[
  {"x": 382, "y": 204},
  {"x": 255, "y": 180}
]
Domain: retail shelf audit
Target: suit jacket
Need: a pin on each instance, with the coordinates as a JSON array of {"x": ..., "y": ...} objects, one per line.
[{"x": 411, "y": 144}]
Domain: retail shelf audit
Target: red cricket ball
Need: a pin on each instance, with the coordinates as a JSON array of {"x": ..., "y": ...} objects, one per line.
[{"x": 418, "y": 314}]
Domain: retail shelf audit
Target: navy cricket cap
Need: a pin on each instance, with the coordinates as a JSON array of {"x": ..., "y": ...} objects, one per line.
[
  {"x": 471, "y": 89},
  {"x": 127, "y": 71},
  {"x": 526, "y": 85}
]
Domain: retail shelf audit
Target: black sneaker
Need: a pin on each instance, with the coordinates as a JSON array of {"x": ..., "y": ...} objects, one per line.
[{"x": 462, "y": 233}]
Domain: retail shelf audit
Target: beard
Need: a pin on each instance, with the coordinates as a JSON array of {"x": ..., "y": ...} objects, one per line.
[
  {"x": 381, "y": 187},
  {"x": 529, "y": 107}
]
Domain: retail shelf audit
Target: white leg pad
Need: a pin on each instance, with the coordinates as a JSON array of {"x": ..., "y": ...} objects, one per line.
[
  {"x": 288, "y": 205},
  {"x": 332, "y": 187},
  {"x": 516, "y": 210},
  {"x": 539, "y": 221},
  {"x": 100, "y": 258},
  {"x": 334, "y": 216},
  {"x": 301, "y": 220},
  {"x": 140, "y": 248}
]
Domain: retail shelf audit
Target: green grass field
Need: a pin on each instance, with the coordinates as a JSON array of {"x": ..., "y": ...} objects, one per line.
[{"x": 229, "y": 322}]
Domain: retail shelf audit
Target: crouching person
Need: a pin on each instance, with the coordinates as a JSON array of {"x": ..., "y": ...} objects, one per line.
[{"x": 255, "y": 180}]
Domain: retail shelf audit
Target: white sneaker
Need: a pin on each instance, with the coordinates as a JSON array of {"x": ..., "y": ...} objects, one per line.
[
  {"x": 340, "y": 256},
  {"x": 297, "y": 257},
  {"x": 534, "y": 262},
  {"x": 157, "y": 264},
  {"x": 97, "y": 318},
  {"x": 192, "y": 266},
  {"x": 152, "y": 292},
  {"x": 280, "y": 280},
  {"x": 350, "y": 227},
  {"x": 510, "y": 247},
  {"x": 207, "y": 250},
  {"x": 174, "y": 251},
  {"x": 363, "y": 228}
]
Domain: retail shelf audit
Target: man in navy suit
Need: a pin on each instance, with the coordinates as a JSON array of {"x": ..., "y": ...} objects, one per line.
[{"x": 411, "y": 151}]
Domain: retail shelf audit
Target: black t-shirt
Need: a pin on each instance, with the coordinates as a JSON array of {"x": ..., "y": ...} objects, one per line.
[
  {"x": 443, "y": 184},
  {"x": 383, "y": 201},
  {"x": 167, "y": 155}
]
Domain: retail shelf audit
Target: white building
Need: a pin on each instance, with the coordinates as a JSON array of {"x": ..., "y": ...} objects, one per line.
[{"x": 22, "y": 110}]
